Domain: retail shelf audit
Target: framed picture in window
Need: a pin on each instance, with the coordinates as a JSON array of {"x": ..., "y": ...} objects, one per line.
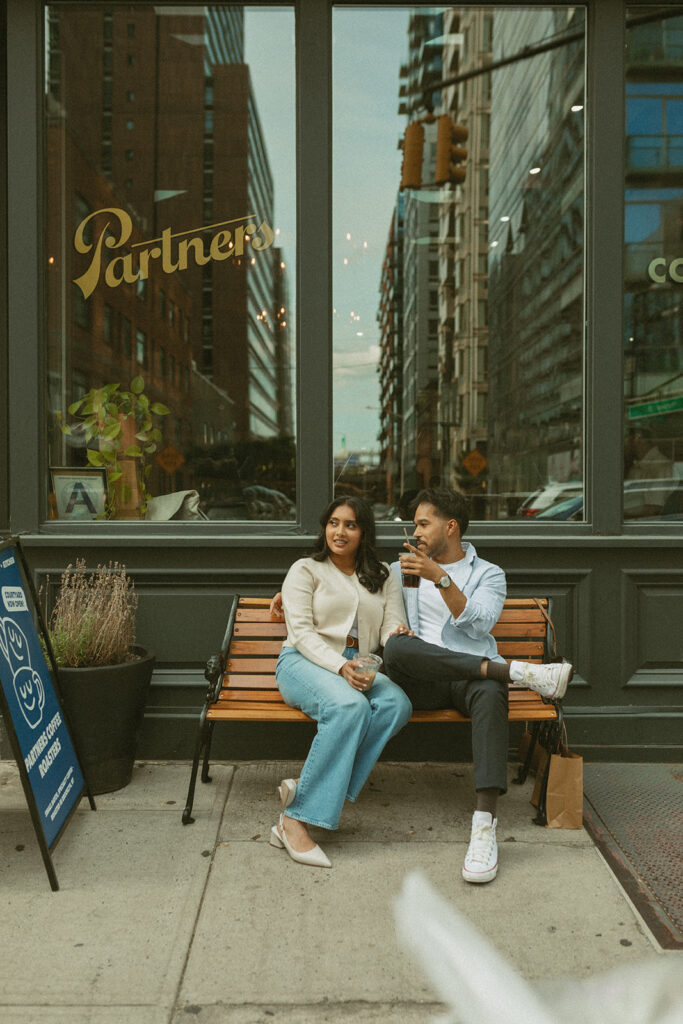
[{"x": 80, "y": 492}]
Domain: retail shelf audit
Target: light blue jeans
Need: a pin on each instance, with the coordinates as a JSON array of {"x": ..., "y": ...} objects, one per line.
[{"x": 353, "y": 729}]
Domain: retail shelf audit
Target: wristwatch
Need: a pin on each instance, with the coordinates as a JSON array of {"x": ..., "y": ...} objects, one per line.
[{"x": 443, "y": 583}]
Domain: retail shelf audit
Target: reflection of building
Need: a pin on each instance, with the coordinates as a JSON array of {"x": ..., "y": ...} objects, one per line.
[
  {"x": 463, "y": 265},
  {"x": 138, "y": 327},
  {"x": 420, "y": 269},
  {"x": 390, "y": 366},
  {"x": 280, "y": 319},
  {"x": 156, "y": 116},
  {"x": 536, "y": 198},
  {"x": 653, "y": 323}
]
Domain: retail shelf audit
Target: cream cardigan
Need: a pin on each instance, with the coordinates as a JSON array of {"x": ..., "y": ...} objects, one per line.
[{"x": 320, "y": 604}]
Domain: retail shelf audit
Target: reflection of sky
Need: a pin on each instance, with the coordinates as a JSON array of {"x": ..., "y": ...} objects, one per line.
[
  {"x": 368, "y": 47},
  {"x": 269, "y": 52}
]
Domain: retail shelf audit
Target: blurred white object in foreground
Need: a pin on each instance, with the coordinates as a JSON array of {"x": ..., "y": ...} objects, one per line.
[{"x": 479, "y": 985}]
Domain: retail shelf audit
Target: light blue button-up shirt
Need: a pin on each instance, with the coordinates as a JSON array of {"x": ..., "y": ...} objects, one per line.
[{"x": 484, "y": 586}]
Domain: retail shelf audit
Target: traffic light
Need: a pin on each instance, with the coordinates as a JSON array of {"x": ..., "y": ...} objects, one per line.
[
  {"x": 449, "y": 155},
  {"x": 412, "y": 146}
]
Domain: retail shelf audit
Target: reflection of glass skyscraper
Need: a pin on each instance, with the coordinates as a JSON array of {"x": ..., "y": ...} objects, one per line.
[
  {"x": 420, "y": 267},
  {"x": 653, "y": 322},
  {"x": 390, "y": 366},
  {"x": 535, "y": 255},
  {"x": 463, "y": 234}
]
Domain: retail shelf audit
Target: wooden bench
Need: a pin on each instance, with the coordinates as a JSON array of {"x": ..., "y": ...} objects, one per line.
[{"x": 242, "y": 686}]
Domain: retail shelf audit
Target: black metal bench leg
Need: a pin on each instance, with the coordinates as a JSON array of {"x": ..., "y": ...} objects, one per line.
[
  {"x": 541, "y": 817},
  {"x": 202, "y": 734},
  {"x": 552, "y": 743},
  {"x": 207, "y": 753},
  {"x": 523, "y": 771}
]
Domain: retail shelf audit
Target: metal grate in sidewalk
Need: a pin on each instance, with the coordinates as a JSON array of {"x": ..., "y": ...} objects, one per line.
[{"x": 634, "y": 813}]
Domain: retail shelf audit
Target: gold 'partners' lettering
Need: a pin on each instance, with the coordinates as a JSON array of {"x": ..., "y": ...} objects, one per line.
[{"x": 173, "y": 250}]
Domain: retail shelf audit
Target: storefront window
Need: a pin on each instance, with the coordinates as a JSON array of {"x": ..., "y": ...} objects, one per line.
[
  {"x": 653, "y": 293},
  {"x": 458, "y": 269},
  {"x": 170, "y": 211}
]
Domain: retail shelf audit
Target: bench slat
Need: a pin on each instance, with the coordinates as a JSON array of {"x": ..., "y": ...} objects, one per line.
[
  {"x": 251, "y": 696},
  {"x": 516, "y": 614},
  {"x": 251, "y": 664},
  {"x": 247, "y": 682},
  {"x": 260, "y": 629},
  {"x": 516, "y": 627},
  {"x": 258, "y": 647},
  {"x": 520, "y": 649},
  {"x": 251, "y": 711},
  {"x": 519, "y": 629}
]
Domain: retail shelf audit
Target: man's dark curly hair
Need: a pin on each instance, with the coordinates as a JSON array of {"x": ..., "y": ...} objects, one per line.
[
  {"x": 448, "y": 504},
  {"x": 371, "y": 572}
]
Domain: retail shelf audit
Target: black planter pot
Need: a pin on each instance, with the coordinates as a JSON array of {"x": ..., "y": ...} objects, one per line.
[{"x": 104, "y": 706}]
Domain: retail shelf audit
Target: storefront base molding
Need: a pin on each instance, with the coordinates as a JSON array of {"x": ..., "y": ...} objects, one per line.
[{"x": 600, "y": 734}]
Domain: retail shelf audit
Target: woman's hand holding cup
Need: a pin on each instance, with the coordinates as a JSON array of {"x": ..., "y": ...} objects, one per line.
[{"x": 360, "y": 673}]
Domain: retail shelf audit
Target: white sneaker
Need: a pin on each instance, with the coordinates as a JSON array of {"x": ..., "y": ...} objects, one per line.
[
  {"x": 550, "y": 681},
  {"x": 481, "y": 859}
]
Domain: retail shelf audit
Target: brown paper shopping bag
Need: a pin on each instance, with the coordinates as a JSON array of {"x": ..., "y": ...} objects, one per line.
[{"x": 564, "y": 796}]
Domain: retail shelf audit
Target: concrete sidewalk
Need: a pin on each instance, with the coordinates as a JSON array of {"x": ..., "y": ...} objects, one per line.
[{"x": 157, "y": 923}]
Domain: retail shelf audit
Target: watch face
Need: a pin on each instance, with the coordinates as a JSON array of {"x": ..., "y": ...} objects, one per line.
[{"x": 444, "y": 582}]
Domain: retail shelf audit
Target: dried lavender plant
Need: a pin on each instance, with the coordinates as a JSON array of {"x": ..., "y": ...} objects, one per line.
[{"x": 93, "y": 621}]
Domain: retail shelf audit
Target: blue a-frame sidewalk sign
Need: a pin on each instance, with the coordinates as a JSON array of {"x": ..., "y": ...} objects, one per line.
[{"x": 48, "y": 764}]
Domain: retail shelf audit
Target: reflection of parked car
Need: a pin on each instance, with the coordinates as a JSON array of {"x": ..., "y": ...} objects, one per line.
[
  {"x": 653, "y": 498},
  {"x": 570, "y": 508},
  {"x": 265, "y": 503},
  {"x": 550, "y": 495},
  {"x": 646, "y": 500},
  {"x": 233, "y": 509}
]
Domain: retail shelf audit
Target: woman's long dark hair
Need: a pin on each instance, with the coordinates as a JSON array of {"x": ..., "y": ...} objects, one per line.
[{"x": 371, "y": 572}]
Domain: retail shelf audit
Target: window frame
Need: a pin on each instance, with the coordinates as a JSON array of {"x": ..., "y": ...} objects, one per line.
[{"x": 23, "y": 333}]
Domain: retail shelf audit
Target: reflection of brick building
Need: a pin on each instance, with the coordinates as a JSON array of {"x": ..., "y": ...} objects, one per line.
[
  {"x": 116, "y": 333},
  {"x": 155, "y": 115}
]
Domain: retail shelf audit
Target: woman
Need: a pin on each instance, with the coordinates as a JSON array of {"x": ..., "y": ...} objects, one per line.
[{"x": 339, "y": 603}]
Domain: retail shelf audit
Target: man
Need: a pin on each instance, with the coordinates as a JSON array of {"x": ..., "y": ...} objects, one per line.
[{"x": 448, "y": 658}]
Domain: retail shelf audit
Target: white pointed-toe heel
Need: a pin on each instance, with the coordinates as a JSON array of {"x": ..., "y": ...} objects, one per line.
[
  {"x": 315, "y": 858},
  {"x": 286, "y": 792}
]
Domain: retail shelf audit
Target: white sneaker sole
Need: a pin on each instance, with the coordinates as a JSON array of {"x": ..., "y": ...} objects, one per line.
[
  {"x": 480, "y": 876},
  {"x": 563, "y": 681}
]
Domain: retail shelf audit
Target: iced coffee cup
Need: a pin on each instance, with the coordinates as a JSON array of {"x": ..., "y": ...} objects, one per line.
[
  {"x": 367, "y": 665},
  {"x": 407, "y": 580}
]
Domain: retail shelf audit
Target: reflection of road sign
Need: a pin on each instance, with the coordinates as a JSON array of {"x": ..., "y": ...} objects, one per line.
[
  {"x": 170, "y": 459},
  {"x": 663, "y": 405},
  {"x": 474, "y": 462}
]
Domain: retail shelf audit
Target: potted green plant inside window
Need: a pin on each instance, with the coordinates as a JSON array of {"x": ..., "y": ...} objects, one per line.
[
  {"x": 102, "y": 674},
  {"x": 123, "y": 423}
]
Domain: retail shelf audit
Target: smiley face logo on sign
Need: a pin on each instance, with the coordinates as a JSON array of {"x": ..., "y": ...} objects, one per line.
[{"x": 28, "y": 685}]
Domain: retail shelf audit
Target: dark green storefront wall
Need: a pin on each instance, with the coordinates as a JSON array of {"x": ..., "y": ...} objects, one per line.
[{"x": 617, "y": 604}]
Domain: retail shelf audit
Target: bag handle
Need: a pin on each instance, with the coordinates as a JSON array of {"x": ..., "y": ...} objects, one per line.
[{"x": 550, "y": 623}]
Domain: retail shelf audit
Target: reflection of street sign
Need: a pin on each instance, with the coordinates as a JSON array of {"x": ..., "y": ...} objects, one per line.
[
  {"x": 663, "y": 405},
  {"x": 170, "y": 459},
  {"x": 474, "y": 462}
]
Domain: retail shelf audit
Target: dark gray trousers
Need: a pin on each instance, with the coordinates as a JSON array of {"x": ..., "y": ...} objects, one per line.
[{"x": 434, "y": 677}]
